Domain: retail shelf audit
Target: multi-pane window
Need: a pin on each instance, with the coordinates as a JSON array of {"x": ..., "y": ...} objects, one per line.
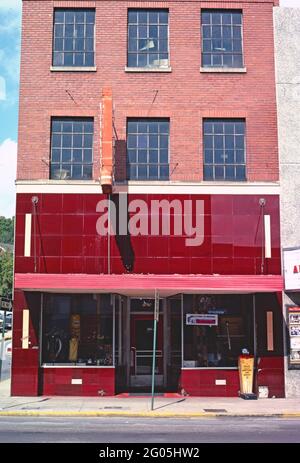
[
  {"x": 148, "y": 38},
  {"x": 73, "y": 37},
  {"x": 71, "y": 148},
  {"x": 224, "y": 149},
  {"x": 148, "y": 149},
  {"x": 222, "y": 38}
]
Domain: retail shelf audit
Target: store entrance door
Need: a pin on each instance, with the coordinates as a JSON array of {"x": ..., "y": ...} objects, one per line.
[{"x": 141, "y": 352}]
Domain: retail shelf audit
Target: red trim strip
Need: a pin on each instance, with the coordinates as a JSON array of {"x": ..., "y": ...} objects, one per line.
[{"x": 130, "y": 282}]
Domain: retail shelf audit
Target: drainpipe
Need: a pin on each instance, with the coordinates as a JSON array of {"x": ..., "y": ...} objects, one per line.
[{"x": 106, "y": 174}]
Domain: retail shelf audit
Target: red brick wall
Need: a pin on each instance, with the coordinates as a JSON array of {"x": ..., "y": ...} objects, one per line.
[{"x": 185, "y": 95}]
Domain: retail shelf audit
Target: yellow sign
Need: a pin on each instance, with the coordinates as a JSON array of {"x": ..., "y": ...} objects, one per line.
[
  {"x": 73, "y": 349},
  {"x": 75, "y": 326},
  {"x": 246, "y": 370},
  {"x": 75, "y": 336}
]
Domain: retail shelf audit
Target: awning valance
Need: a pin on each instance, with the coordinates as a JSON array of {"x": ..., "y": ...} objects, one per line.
[{"x": 141, "y": 284}]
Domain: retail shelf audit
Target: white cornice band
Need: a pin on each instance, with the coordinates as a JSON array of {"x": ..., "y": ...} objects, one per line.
[{"x": 92, "y": 187}]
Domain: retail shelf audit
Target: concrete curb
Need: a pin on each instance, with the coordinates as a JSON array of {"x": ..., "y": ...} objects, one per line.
[{"x": 146, "y": 414}]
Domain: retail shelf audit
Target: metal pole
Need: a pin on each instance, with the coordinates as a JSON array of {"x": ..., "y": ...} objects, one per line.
[
  {"x": 255, "y": 345},
  {"x": 156, "y": 315},
  {"x": 108, "y": 238},
  {"x": 254, "y": 326},
  {"x": 114, "y": 330},
  {"x": 228, "y": 336},
  {"x": 182, "y": 331},
  {"x": 120, "y": 329},
  {"x": 41, "y": 330},
  {"x": 2, "y": 343}
]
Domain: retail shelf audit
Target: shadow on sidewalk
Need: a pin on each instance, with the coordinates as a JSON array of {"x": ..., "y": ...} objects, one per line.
[{"x": 168, "y": 405}]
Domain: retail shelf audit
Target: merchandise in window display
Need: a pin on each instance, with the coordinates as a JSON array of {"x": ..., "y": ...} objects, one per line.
[
  {"x": 73, "y": 349},
  {"x": 98, "y": 349},
  {"x": 56, "y": 345},
  {"x": 220, "y": 345},
  {"x": 75, "y": 325},
  {"x": 77, "y": 330},
  {"x": 75, "y": 337}
]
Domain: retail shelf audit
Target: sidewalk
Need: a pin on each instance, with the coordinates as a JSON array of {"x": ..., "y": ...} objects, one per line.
[{"x": 175, "y": 406}]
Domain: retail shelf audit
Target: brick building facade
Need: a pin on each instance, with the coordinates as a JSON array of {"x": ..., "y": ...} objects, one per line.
[{"x": 194, "y": 119}]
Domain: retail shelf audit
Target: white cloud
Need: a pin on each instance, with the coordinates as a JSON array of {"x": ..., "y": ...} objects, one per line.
[
  {"x": 290, "y": 3},
  {"x": 10, "y": 28},
  {"x": 2, "y": 89},
  {"x": 10, "y": 63},
  {"x": 8, "y": 165},
  {"x": 10, "y": 4}
]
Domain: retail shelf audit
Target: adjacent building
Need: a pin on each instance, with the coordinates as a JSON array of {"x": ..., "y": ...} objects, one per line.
[
  {"x": 287, "y": 53},
  {"x": 148, "y": 181}
]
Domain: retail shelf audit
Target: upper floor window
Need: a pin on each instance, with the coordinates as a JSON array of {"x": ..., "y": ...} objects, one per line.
[
  {"x": 148, "y": 149},
  {"x": 148, "y": 44},
  {"x": 224, "y": 149},
  {"x": 73, "y": 37},
  {"x": 222, "y": 38},
  {"x": 71, "y": 148}
]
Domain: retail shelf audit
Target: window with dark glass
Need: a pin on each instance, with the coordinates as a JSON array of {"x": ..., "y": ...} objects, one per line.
[
  {"x": 220, "y": 344},
  {"x": 224, "y": 149},
  {"x": 71, "y": 148},
  {"x": 73, "y": 37},
  {"x": 148, "y": 44},
  {"x": 148, "y": 149},
  {"x": 77, "y": 330},
  {"x": 222, "y": 38}
]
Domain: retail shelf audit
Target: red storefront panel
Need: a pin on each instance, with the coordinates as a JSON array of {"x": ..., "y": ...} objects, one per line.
[
  {"x": 197, "y": 382},
  {"x": 67, "y": 240},
  {"x": 72, "y": 257},
  {"x": 25, "y": 372},
  {"x": 269, "y": 372},
  {"x": 94, "y": 381}
]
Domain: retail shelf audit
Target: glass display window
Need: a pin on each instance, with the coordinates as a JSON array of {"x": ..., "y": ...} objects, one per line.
[
  {"x": 77, "y": 330},
  {"x": 220, "y": 331}
]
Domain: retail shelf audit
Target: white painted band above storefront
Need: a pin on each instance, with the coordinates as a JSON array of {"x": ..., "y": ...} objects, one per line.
[{"x": 93, "y": 187}]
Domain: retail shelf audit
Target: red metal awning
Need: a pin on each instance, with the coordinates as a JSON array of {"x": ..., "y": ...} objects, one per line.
[{"x": 140, "y": 284}]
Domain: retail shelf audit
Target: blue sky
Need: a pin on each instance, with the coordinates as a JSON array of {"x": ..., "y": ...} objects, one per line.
[
  {"x": 10, "y": 27},
  {"x": 10, "y": 31},
  {"x": 10, "y": 20}
]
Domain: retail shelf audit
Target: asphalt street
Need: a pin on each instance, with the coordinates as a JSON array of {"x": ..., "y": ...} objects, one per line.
[{"x": 148, "y": 430}]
